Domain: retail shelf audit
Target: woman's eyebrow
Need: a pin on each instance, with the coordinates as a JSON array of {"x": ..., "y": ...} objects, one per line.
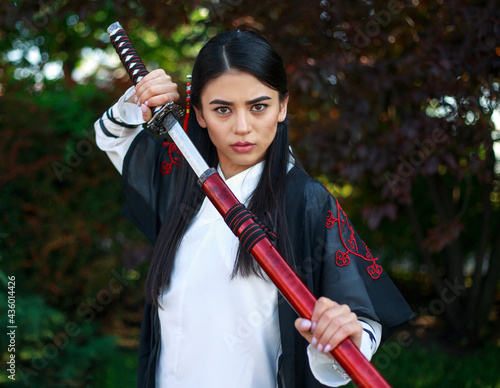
[
  {"x": 258, "y": 99},
  {"x": 254, "y": 101},
  {"x": 220, "y": 102}
]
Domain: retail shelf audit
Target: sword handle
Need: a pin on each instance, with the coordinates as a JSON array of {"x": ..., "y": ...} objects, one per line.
[
  {"x": 127, "y": 53},
  {"x": 136, "y": 71}
]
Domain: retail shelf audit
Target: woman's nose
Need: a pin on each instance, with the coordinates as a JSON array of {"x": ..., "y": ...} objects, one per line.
[{"x": 241, "y": 125}]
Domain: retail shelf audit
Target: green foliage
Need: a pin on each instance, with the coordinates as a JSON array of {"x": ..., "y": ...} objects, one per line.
[
  {"x": 53, "y": 219},
  {"x": 418, "y": 366},
  {"x": 52, "y": 349},
  {"x": 421, "y": 366},
  {"x": 119, "y": 371},
  {"x": 70, "y": 111}
]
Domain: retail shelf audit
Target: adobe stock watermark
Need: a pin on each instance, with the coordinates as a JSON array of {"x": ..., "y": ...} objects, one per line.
[
  {"x": 104, "y": 297},
  {"x": 75, "y": 156},
  {"x": 264, "y": 312},
  {"x": 407, "y": 166},
  {"x": 374, "y": 26},
  {"x": 87, "y": 310},
  {"x": 46, "y": 11},
  {"x": 220, "y": 7},
  {"x": 391, "y": 350},
  {"x": 42, "y": 17},
  {"x": 247, "y": 325}
]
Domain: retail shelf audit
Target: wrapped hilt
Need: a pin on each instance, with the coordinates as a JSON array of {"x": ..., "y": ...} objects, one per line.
[
  {"x": 127, "y": 53},
  {"x": 137, "y": 71}
]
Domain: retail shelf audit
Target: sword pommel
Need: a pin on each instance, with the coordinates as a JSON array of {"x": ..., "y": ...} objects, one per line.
[{"x": 113, "y": 28}]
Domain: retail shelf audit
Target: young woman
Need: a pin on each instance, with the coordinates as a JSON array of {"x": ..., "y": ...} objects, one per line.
[{"x": 212, "y": 318}]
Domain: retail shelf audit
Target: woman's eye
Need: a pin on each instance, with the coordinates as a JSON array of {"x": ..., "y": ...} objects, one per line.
[
  {"x": 259, "y": 107},
  {"x": 222, "y": 110}
]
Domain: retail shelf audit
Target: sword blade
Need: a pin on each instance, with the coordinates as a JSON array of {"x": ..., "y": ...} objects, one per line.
[{"x": 186, "y": 146}]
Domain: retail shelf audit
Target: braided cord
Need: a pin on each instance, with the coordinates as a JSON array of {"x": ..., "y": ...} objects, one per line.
[
  {"x": 129, "y": 57},
  {"x": 252, "y": 234}
]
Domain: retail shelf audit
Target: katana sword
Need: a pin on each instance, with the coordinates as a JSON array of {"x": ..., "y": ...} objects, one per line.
[{"x": 247, "y": 228}]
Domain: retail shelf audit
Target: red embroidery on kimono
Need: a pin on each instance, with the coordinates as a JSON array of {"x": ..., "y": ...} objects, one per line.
[
  {"x": 342, "y": 258},
  {"x": 165, "y": 168},
  {"x": 351, "y": 246},
  {"x": 329, "y": 219},
  {"x": 174, "y": 158}
]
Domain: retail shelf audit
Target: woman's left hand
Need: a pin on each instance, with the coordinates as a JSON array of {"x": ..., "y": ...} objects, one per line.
[{"x": 330, "y": 324}]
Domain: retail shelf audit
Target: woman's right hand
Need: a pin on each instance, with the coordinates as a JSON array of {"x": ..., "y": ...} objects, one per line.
[{"x": 155, "y": 89}]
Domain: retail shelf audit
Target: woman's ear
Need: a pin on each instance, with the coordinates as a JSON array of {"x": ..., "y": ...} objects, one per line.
[
  {"x": 283, "y": 110},
  {"x": 199, "y": 117}
]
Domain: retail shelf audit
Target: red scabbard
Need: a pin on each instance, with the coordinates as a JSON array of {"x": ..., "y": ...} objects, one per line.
[{"x": 361, "y": 371}]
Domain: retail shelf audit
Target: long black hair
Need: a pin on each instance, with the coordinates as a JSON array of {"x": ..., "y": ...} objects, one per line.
[{"x": 234, "y": 50}]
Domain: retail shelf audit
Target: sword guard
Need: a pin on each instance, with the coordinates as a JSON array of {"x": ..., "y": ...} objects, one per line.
[{"x": 164, "y": 118}]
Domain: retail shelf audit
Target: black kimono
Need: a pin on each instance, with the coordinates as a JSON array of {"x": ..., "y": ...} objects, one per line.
[{"x": 330, "y": 257}]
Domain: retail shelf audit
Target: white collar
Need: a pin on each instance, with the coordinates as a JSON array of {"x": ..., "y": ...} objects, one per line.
[{"x": 244, "y": 183}]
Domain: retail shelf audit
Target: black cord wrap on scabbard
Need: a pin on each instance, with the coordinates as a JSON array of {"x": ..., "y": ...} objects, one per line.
[{"x": 252, "y": 234}]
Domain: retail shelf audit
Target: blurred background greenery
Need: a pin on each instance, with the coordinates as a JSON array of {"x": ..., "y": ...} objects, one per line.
[{"x": 394, "y": 106}]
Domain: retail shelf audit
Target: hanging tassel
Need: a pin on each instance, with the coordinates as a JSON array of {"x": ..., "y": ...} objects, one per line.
[{"x": 188, "y": 102}]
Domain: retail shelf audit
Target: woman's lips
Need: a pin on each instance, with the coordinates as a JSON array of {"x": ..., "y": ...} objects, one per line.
[{"x": 242, "y": 146}]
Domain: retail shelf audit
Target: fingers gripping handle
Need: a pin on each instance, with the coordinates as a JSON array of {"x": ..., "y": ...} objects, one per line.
[
  {"x": 136, "y": 71},
  {"x": 126, "y": 51}
]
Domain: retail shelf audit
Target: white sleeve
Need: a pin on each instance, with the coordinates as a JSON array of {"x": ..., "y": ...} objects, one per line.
[
  {"x": 118, "y": 127},
  {"x": 330, "y": 373}
]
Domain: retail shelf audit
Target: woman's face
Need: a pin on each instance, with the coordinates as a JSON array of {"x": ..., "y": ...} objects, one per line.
[{"x": 241, "y": 115}]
